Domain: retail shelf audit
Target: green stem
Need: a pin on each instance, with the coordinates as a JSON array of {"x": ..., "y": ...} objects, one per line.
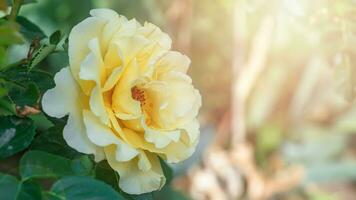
[{"x": 16, "y": 5}]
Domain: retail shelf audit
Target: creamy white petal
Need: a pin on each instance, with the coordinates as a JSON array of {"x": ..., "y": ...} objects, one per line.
[
  {"x": 97, "y": 105},
  {"x": 60, "y": 100},
  {"x": 125, "y": 152},
  {"x": 66, "y": 98},
  {"x": 101, "y": 135},
  {"x": 192, "y": 130},
  {"x": 132, "y": 179},
  {"x": 144, "y": 163},
  {"x": 160, "y": 138}
]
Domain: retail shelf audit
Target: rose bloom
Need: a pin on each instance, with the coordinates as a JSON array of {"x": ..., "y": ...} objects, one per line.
[{"x": 128, "y": 98}]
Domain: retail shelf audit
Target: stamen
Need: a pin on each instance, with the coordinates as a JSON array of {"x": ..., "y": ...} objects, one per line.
[{"x": 137, "y": 94}]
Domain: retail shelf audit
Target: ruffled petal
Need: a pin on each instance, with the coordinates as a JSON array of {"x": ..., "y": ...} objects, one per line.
[
  {"x": 133, "y": 180},
  {"x": 67, "y": 98},
  {"x": 78, "y": 48},
  {"x": 101, "y": 135}
]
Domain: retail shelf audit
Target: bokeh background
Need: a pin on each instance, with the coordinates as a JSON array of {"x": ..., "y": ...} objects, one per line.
[{"x": 278, "y": 83}]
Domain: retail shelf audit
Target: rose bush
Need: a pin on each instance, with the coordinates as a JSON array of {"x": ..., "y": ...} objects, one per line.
[{"x": 128, "y": 98}]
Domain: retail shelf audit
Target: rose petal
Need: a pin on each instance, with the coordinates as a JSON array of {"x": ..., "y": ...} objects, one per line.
[
  {"x": 67, "y": 98},
  {"x": 133, "y": 180}
]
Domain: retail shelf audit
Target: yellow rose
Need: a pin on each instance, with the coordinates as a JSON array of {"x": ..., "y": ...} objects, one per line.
[{"x": 128, "y": 98}]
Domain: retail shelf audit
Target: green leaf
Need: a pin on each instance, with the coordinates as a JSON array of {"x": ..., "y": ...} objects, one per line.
[
  {"x": 29, "y": 29},
  {"x": 105, "y": 173},
  {"x": 52, "y": 141},
  {"x": 169, "y": 193},
  {"x": 65, "y": 45},
  {"x": 146, "y": 196},
  {"x": 83, "y": 188},
  {"x": 30, "y": 190},
  {"x": 16, "y": 134},
  {"x": 82, "y": 165},
  {"x": 9, "y": 33},
  {"x": 12, "y": 189},
  {"x": 51, "y": 196},
  {"x": 36, "y": 164},
  {"x": 55, "y": 38},
  {"x": 9, "y": 187},
  {"x": 29, "y": 95},
  {"x": 2, "y": 55},
  {"x": 42, "y": 79},
  {"x": 6, "y": 107},
  {"x": 41, "y": 54},
  {"x": 167, "y": 171}
]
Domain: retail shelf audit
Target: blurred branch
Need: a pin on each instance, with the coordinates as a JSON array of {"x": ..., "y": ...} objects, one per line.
[
  {"x": 247, "y": 75},
  {"x": 15, "y": 9},
  {"x": 180, "y": 14}
]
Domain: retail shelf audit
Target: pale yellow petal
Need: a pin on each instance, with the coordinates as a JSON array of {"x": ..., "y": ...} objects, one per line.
[
  {"x": 101, "y": 135},
  {"x": 67, "y": 98},
  {"x": 160, "y": 138},
  {"x": 122, "y": 102},
  {"x": 97, "y": 105},
  {"x": 78, "y": 48},
  {"x": 133, "y": 180},
  {"x": 113, "y": 79}
]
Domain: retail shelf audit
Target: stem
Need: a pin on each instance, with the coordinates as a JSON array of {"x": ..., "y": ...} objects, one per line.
[{"x": 16, "y": 5}]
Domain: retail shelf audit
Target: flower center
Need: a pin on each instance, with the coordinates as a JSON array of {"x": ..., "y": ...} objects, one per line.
[{"x": 137, "y": 94}]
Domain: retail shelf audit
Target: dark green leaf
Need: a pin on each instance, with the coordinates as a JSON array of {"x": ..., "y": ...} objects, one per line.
[
  {"x": 27, "y": 95},
  {"x": 167, "y": 171},
  {"x": 82, "y": 165},
  {"x": 51, "y": 196},
  {"x": 30, "y": 190},
  {"x": 83, "y": 188},
  {"x": 9, "y": 187},
  {"x": 15, "y": 135},
  {"x": 42, "y": 79},
  {"x": 52, "y": 141},
  {"x": 105, "y": 173},
  {"x": 65, "y": 45},
  {"x": 36, "y": 164},
  {"x": 146, "y": 196},
  {"x": 12, "y": 189},
  {"x": 41, "y": 54},
  {"x": 169, "y": 193},
  {"x": 29, "y": 29},
  {"x": 6, "y": 107},
  {"x": 2, "y": 56},
  {"x": 55, "y": 38}
]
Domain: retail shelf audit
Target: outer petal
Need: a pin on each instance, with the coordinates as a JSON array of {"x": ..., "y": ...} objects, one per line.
[
  {"x": 92, "y": 69},
  {"x": 160, "y": 138},
  {"x": 172, "y": 61},
  {"x": 173, "y": 153},
  {"x": 67, "y": 98},
  {"x": 133, "y": 180},
  {"x": 101, "y": 135},
  {"x": 78, "y": 48}
]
